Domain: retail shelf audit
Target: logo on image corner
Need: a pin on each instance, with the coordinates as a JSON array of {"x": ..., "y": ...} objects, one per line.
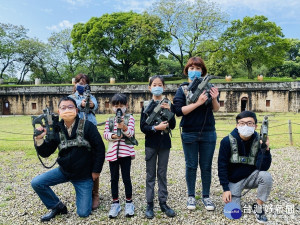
[{"x": 232, "y": 211}]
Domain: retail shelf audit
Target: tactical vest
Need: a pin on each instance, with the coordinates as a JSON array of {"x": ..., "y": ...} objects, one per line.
[
  {"x": 128, "y": 141},
  {"x": 236, "y": 158},
  {"x": 79, "y": 141}
]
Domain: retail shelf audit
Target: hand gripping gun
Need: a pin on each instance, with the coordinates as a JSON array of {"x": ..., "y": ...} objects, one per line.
[
  {"x": 119, "y": 115},
  {"x": 159, "y": 114},
  {"x": 48, "y": 120},
  {"x": 264, "y": 134},
  {"x": 196, "y": 88}
]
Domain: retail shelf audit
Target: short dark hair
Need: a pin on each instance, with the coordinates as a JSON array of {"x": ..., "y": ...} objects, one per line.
[
  {"x": 156, "y": 76},
  {"x": 195, "y": 61},
  {"x": 67, "y": 98},
  {"x": 119, "y": 99},
  {"x": 245, "y": 114}
]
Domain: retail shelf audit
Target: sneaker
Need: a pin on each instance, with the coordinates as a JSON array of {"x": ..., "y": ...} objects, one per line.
[
  {"x": 191, "y": 203},
  {"x": 208, "y": 204},
  {"x": 259, "y": 213},
  {"x": 129, "y": 209},
  {"x": 115, "y": 208}
]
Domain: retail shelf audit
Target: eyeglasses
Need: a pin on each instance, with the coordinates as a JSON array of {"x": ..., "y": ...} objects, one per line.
[
  {"x": 69, "y": 107},
  {"x": 249, "y": 124}
]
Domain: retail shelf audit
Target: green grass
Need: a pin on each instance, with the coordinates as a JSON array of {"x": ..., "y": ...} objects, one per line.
[{"x": 16, "y": 131}]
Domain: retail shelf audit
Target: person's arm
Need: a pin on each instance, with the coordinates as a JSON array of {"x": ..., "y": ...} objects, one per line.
[
  {"x": 214, "y": 93},
  {"x": 107, "y": 134},
  {"x": 98, "y": 149},
  {"x": 223, "y": 163},
  {"x": 129, "y": 129},
  {"x": 145, "y": 128},
  {"x": 191, "y": 107},
  {"x": 94, "y": 106},
  {"x": 44, "y": 147}
]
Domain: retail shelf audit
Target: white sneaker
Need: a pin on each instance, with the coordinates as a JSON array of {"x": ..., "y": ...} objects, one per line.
[
  {"x": 129, "y": 209},
  {"x": 115, "y": 208},
  {"x": 191, "y": 203}
]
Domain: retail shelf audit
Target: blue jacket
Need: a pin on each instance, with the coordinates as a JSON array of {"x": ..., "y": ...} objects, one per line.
[
  {"x": 234, "y": 172},
  {"x": 91, "y": 116}
]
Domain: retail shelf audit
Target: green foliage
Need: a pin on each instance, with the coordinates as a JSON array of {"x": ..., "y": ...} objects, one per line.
[
  {"x": 190, "y": 23},
  {"x": 255, "y": 41},
  {"x": 124, "y": 39}
]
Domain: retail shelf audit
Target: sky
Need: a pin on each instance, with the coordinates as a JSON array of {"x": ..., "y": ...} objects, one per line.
[{"x": 43, "y": 17}]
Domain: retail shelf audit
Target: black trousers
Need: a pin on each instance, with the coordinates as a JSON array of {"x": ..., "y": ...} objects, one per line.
[{"x": 125, "y": 164}]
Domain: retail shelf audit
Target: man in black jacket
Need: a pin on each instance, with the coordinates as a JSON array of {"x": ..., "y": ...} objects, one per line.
[
  {"x": 243, "y": 165},
  {"x": 81, "y": 157}
]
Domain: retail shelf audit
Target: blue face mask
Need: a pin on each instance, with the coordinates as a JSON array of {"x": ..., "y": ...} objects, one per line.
[
  {"x": 80, "y": 88},
  {"x": 193, "y": 74},
  {"x": 157, "y": 91}
]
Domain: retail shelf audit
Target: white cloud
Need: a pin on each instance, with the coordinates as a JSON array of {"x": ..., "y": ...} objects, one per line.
[
  {"x": 78, "y": 2},
  {"x": 62, "y": 25},
  {"x": 134, "y": 5}
]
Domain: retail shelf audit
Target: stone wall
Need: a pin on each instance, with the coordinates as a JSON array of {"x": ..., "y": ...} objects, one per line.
[{"x": 234, "y": 97}]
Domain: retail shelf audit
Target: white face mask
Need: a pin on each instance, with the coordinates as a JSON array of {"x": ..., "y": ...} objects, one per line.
[
  {"x": 246, "y": 131},
  {"x": 123, "y": 109}
]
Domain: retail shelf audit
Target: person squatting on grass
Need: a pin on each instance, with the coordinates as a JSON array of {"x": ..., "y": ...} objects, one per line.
[
  {"x": 79, "y": 163},
  {"x": 119, "y": 154},
  {"x": 198, "y": 132},
  {"x": 247, "y": 167},
  {"x": 81, "y": 80},
  {"x": 157, "y": 147}
]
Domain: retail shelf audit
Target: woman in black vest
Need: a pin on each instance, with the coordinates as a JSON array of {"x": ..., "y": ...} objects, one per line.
[{"x": 198, "y": 131}]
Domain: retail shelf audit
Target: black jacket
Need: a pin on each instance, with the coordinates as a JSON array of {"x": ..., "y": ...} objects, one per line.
[
  {"x": 234, "y": 172},
  {"x": 77, "y": 162},
  {"x": 154, "y": 139},
  {"x": 194, "y": 121}
]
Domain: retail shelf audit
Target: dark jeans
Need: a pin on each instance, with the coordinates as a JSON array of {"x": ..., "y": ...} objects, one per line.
[
  {"x": 125, "y": 164},
  {"x": 198, "y": 148}
]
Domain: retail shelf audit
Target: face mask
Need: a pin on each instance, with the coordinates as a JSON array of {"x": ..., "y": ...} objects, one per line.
[
  {"x": 123, "y": 109},
  {"x": 246, "y": 131},
  {"x": 157, "y": 91},
  {"x": 80, "y": 88},
  {"x": 193, "y": 74},
  {"x": 68, "y": 115}
]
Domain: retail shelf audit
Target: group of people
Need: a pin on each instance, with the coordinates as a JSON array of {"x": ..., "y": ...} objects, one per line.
[{"x": 241, "y": 163}]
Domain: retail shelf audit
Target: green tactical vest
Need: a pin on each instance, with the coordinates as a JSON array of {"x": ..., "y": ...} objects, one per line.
[
  {"x": 128, "y": 141},
  {"x": 79, "y": 141},
  {"x": 236, "y": 158}
]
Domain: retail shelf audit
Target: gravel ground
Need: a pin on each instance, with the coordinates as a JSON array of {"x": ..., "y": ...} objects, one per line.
[{"x": 20, "y": 205}]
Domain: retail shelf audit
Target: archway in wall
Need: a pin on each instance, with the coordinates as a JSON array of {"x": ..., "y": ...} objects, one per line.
[
  {"x": 244, "y": 102},
  {"x": 6, "y": 108}
]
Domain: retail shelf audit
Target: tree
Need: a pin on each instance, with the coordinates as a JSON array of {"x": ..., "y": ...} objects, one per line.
[
  {"x": 255, "y": 41},
  {"x": 123, "y": 38},
  {"x": 10, "y": 36},
  {"x": 61, "y": 42},
  {"x": 189, "y": 23}
]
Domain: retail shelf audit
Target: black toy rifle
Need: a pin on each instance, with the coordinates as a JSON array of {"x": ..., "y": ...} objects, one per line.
[
  {"x": 87, "y": 95},
  {"x": 47, "y": 120},
  {"x": 119, "y": 115},
  {"x": 158, "y": 114},
  {"x": 264, "y": 134},
  {"x": 201, "y": 84}
]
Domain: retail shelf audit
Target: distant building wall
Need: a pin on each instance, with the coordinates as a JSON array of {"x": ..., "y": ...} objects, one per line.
[{"x": 234, "y": 97}]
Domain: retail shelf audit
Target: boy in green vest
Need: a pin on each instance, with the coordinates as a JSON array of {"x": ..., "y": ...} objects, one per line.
[{"x": 243, "y": 165}]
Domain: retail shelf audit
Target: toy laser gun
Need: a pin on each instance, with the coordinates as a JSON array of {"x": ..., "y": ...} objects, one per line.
[
  {"x": 264, "y": 133},
  {"x": 119, "y": 115},
  {"x": 47, "y": 120}
]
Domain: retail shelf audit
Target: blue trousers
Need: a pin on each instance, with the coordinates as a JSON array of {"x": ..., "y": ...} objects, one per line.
[
  {"x": 198, "y": 149},
  {"x": 83, "y": 188}
]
